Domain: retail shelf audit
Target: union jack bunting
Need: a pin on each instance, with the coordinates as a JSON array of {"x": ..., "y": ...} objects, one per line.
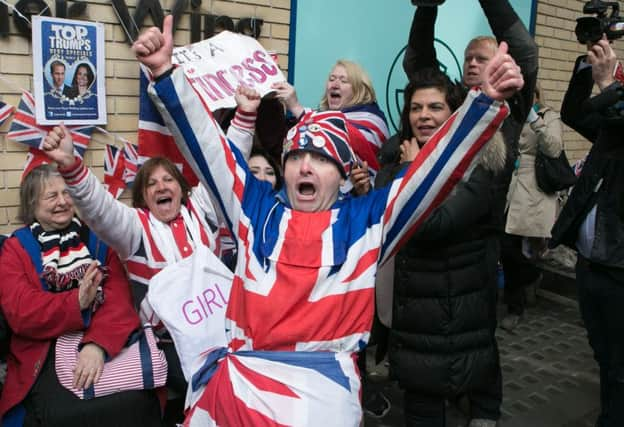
[
  {"x": 131, "y": 162},
  {"x": 34, "y": 158},
  {"x": 114, "y": 167},
  {"x": 5, "y": 111},
  {"x": 154, "y": 137},
  {"x": 25, "y": 129}
]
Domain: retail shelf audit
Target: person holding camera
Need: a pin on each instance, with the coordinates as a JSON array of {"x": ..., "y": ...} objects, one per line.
[{"x": 590, "y": 222}]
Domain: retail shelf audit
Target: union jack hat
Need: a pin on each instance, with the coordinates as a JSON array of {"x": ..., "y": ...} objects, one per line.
[{"x": 324, "y": 132}]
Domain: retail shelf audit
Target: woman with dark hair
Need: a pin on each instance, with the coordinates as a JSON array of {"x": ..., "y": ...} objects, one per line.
[
  {"x": 159, "y": 229},
  {"x": 263, "y": 167},
  {"x": 442, "y": 342},
  {"x": 74, "y": 292},
  {"x": 82, "y": 80}
]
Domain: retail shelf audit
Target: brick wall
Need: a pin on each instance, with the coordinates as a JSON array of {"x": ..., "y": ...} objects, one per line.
[
  {"x": 554, "y": 34},
  {"x": 121, "y": 80}
]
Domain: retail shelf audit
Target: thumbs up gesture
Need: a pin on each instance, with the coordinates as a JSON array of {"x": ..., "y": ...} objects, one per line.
[
  {"x": 153, "y": 48},
  {"x": 501, "y": 76}
]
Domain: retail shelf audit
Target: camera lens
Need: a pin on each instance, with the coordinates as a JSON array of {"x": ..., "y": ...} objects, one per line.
[{"x": 588, "y": 29}]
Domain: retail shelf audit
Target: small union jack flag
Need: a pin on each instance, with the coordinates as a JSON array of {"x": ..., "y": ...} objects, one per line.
[
  {"x": 25, "y": 129},
  {"x": 131, "y": 162},
  {"x": 5, "y": 111},
  {"x": 114, "y": 166},
  {"x": 34, "y": 158}
]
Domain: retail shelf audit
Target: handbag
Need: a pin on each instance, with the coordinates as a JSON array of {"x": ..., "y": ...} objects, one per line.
[
  {"x": 553, "y": 173},
  {"x": 140, "y": 364}
]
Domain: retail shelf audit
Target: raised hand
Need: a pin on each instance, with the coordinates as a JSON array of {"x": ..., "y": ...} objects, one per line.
[
  {"x": 89, "y": 366},
  {"x": 360, "y": 179},
  {"x": 153, "y": 48},
  {"x": 501, "y": 76},
  {"x": 59, "y": 146},
  {"x": 288, "y": 95},
  {"x": 247, "y": 99},
  {"x": 88, "y": 285}
]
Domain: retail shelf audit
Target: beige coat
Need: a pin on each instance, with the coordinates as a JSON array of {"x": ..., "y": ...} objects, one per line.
[{"x": 530, "y": 212}]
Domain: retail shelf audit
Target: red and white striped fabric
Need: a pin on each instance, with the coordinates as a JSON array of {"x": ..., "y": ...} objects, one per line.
[
  {"x": 140, "y": 366},
  {"x": 302, "y": 300}
]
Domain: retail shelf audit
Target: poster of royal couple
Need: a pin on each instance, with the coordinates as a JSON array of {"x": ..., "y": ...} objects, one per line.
[
  {"x": 68, "y": 62},
  {"x": 69, "y": 65}
]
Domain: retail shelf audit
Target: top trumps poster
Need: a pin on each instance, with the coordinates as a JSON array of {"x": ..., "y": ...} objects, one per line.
[{"x": 68, "y": 63}]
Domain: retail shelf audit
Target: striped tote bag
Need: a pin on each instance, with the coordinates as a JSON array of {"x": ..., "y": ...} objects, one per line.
[{"x": 140, "y": 365}]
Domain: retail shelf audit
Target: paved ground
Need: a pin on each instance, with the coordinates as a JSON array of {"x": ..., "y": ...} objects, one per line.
[{"x": 550, "y": 378}]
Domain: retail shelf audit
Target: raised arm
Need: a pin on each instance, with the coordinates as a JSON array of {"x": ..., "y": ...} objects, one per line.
[
  {"x": 219, "y": 165},
  {"x": 243, "y": 125},
  {"x": 114, "y": 222},
  {"x": 420, "y": 52},
  {"x": 508, "y": 27}
]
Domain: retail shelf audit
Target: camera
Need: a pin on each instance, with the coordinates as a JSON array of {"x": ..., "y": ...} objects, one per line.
[
  {"x": 428, "y": 3},
  {"x": 591, "y": 28}
]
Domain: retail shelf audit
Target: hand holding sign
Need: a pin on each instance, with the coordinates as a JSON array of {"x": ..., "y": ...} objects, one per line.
[{"x": 153, "y": 48}]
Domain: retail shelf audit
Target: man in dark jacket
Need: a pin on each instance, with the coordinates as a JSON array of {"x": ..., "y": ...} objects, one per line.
[{"x": 591, "y": 223}]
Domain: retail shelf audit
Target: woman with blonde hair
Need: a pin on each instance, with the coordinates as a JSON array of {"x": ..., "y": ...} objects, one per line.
[{"x": 348, "y": 89}]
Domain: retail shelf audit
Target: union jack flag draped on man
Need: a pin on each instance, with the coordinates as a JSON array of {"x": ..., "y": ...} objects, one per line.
[{"x": 302, "y": 298}]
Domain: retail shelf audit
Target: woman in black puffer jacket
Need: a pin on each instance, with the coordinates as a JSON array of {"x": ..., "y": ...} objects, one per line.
[{"x": 442, "y": 341}]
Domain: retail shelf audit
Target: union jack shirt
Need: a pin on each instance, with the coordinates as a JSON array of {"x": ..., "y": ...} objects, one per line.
[{"x": 302, "y": 299}]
